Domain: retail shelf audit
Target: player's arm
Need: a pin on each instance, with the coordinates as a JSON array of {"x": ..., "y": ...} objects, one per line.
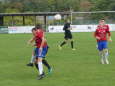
[
  {"x": 31, "y": 40},
  {"x": 69, "y": 27},
  {"x": 95, "y": 35},
  {"x": 109, "y": 35},
  {"x": 43, "y": 41}
]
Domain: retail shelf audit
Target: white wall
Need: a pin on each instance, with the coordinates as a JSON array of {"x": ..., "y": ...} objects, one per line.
[
  {"x": 78, "y": 28},
  {"x": 20, "y": 29},
  {"x": 55, "y": 29}
]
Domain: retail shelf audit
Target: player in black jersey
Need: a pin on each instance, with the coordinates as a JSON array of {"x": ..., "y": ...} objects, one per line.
[{"x": 68, "y": 35}]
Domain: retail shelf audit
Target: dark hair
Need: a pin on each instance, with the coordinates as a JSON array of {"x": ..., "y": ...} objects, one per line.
[
  {"x": 38, "y": 26},
  {"x": 102, "y": 19},
  {"x": 34, "y": 29}
]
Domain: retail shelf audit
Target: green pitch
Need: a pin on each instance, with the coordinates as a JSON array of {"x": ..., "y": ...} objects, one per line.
[{"x": 70, "y": 68}]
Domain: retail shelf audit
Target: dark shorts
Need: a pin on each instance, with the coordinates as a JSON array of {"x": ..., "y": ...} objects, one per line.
[{"x": 68, "y": 35}]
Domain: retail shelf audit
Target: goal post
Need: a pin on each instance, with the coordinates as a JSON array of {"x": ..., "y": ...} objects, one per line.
[{"x": 92, "y": 17}]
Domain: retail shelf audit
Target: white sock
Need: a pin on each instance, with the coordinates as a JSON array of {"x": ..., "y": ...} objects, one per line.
[
  {"x": 32, "y": 59},
  {"x": 40, "y": 66},
  {"x": 106, "y": 57},
  {"x": 102, "y": 60},
  {"x": 101, "y": 56}
]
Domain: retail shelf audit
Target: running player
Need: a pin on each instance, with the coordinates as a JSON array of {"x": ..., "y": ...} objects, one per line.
[
  {"x": 41, "y": 49},
  {"x": 68, "y": 35},
  {"x": 103, "y": 35}
]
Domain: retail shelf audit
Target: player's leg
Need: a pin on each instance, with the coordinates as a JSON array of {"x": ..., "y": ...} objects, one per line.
[
  {"x": 40, "y": 67},
  {"x": 72, "y": 44},
  {"x": 45, "y": 62},
  {"x": 105, "y": 52},
  {"x": 36, "y": 59},
  {"x": 32, "y": 59},
  {"x": 102, "y": 57},
  {"x": 63, "y": 43},
  {"x": 39, "y": 63},
  {"x": 106, "y": 55},
  {"x": 71, "y": 41},
  {"x": 100, "y": 48},
  {"x": 36, "y": 63}
]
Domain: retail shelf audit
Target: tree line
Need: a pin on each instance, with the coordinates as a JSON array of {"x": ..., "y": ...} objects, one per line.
[
  {"x": 20, "y": 6},
  {"x": 55, "y": 5}
]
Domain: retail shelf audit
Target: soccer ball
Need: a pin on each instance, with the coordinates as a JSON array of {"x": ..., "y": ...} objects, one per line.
[{"x": 57, "y": 17}]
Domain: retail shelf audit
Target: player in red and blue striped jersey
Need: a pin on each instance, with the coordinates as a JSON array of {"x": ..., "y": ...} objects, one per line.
[{"x": 103, "y": 35}]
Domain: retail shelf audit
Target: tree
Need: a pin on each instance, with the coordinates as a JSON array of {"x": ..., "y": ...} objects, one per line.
[
  {"x": 103, "y": 5},
  {"x": 1, "y": 7}
]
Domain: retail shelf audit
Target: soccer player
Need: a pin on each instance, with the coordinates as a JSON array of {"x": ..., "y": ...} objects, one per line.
[
  {"x": 68, "y": 35},
  {"x": 103, "y": 35},
  {"x": 33, "y": 58},
  {"x": 41, "y": 49}
]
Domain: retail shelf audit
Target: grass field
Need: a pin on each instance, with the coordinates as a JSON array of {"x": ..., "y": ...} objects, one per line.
[{"x": 70, "y": 68}]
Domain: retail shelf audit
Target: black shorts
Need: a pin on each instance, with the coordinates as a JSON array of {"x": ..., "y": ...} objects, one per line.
[{"x": 68, "y": 36}]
